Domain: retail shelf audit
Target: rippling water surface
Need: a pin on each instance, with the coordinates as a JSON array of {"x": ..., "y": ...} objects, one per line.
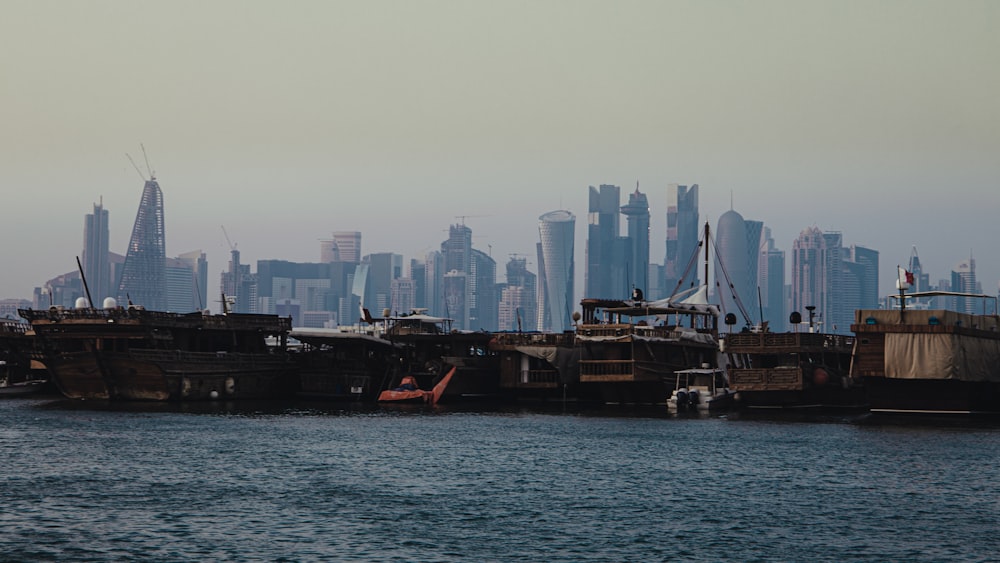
[{"x": 301, "y": 482}]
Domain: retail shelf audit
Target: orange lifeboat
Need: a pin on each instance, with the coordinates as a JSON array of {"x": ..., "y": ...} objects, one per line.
[{"x": 409, "y": 392}]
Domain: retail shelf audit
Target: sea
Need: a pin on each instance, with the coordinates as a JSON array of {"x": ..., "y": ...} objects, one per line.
[{"x": 280, "y": 481}]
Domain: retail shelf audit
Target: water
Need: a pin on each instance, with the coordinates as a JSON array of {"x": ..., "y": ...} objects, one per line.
[{"x": 278, "y": 482}]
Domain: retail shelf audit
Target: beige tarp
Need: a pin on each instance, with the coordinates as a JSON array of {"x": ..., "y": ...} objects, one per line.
[
  {"x": 941, "y": 356},
  {"x": 547, "y": 353}
]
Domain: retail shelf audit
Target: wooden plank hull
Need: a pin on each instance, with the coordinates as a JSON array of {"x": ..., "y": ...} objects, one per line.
[{"x": 163, "y": 376}]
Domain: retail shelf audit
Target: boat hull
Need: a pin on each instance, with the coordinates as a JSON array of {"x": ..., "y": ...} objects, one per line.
[
  {"x": 928, "y": 361},
  {"x": 933, "y": 396},
  {"x": 22, "y": 388},
  {"x": 190, "y": 376},
  {"x": 828, "y": 397},
  {"x": 78, "y": 376}
]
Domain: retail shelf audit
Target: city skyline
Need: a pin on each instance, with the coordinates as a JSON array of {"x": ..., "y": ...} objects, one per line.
[{"x": 877, "y": 121}]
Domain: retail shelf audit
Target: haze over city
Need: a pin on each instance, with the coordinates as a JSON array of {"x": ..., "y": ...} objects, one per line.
[{"x": 284, "y": 123}]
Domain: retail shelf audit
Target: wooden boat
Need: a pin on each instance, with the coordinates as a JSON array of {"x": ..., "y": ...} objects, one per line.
[
  {"x": 792, "y": 370},
  {"x": 929, "y": 361},
  {"x": 537, "y": 366},
  {"x": 428, "y": 344},
  {"x": 409, "y": 391},
  {"x": 19, "y": 375},
  {"x": 343, "y": 365},
  {"x": 630, "y": 351},
  {"x": 134, "y": 354}
]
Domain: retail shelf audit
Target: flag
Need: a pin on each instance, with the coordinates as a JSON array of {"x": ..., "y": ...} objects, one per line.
[{"x": 904, "y": 279}]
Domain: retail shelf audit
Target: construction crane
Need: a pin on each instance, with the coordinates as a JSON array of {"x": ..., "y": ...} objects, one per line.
[
  {"x": 464, "y": 217},
  {"x": 152, "y": 176},
  {"x": 141, "y": 175},
  {"x": 232, "y": 246}
]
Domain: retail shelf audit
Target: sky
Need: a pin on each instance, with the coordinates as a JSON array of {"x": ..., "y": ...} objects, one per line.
[{"x": 285, "y": 121}]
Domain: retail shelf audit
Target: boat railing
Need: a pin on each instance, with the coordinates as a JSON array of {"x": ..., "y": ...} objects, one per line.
[
  {"x": 10, "y": 326},
  {"x": 231, "y": 359},
  {"x": 232, "y": 321},
  {"x": 535, "y": 376},
  {"x": 764, "y": 340},
  {"x": 606, "y": 369},
  {"x": 534, "y": 338},
  {"x": 766, "y": 379},
  {"x": 624, "y": 330}
]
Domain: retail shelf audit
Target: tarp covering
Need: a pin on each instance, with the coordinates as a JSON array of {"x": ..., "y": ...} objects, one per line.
[
  {"x": 941, "y": 356},
  {"x": 547, "y": 353},
  {"x": 676, "y": 336},
  {"x": 603, "y": 338},
  {"x": 565, "y": 360}
]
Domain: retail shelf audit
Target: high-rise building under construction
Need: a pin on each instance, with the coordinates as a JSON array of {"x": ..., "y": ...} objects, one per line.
[{"x": 143, "y": 280}]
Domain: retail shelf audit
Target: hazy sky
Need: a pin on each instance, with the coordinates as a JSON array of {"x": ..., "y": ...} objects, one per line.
[{"x": 285, "y": 121}]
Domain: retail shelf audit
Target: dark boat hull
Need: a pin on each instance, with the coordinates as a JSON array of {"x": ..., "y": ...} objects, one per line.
[
  {"x": 191, "y": 376},
  {"x": 932, "y": 396},
  {"x": 22, "y": 388},
  {"x": 77, "y": 375},
  {"x": 821, "y": 398}
]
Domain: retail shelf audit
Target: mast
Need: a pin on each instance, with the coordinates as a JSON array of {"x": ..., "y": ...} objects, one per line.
[{"x": 706, "y": 254}]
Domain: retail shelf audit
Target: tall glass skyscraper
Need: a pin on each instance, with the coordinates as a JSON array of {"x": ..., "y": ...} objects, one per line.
[
  {"x": 143, "y": 274},
  {"x": 636, "y": 213},
  {"x": 682, "y": 235},
  {"x": 736, "y": 269},
  {"x": 963, "y": 280},
  {"x": 605, "y": 265},
  {"x": 556, "y": 235},
  {"x": 96, "y": 260}
]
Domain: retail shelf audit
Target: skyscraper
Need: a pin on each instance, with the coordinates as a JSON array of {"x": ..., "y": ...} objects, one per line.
[
  {"x": 403, "y": 295},
  {"x": 771, "y": 280},
  {"x": 383, "y": 268},
  {"x": 736, "y": 267},
  {"x": 636, "y": 213},
  {"x": 555, "y": 230},
  {"x": 96, "y": 260},
  {"x": 187, "y": 280},
  {"x": 754, "y": 230},
  {"x": 866, "y": 261},
  {"x": 809, "y": 280},
  {"x": 834, "y": 279},
  {"x": 605, "y": 266},
  {"x": 434, "y": 282},
  {"x": 682, "y": 235},
  {"x": 348, "y": 244},
  {"x": 518, "y": 308},
  {"x": 238, "y": 286},
  {"x": 143, "y": 277},
  {"x": 457, "y": 250},
  {"x": 963, "y": 280},
  {"x": 483, "y": 299}
]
